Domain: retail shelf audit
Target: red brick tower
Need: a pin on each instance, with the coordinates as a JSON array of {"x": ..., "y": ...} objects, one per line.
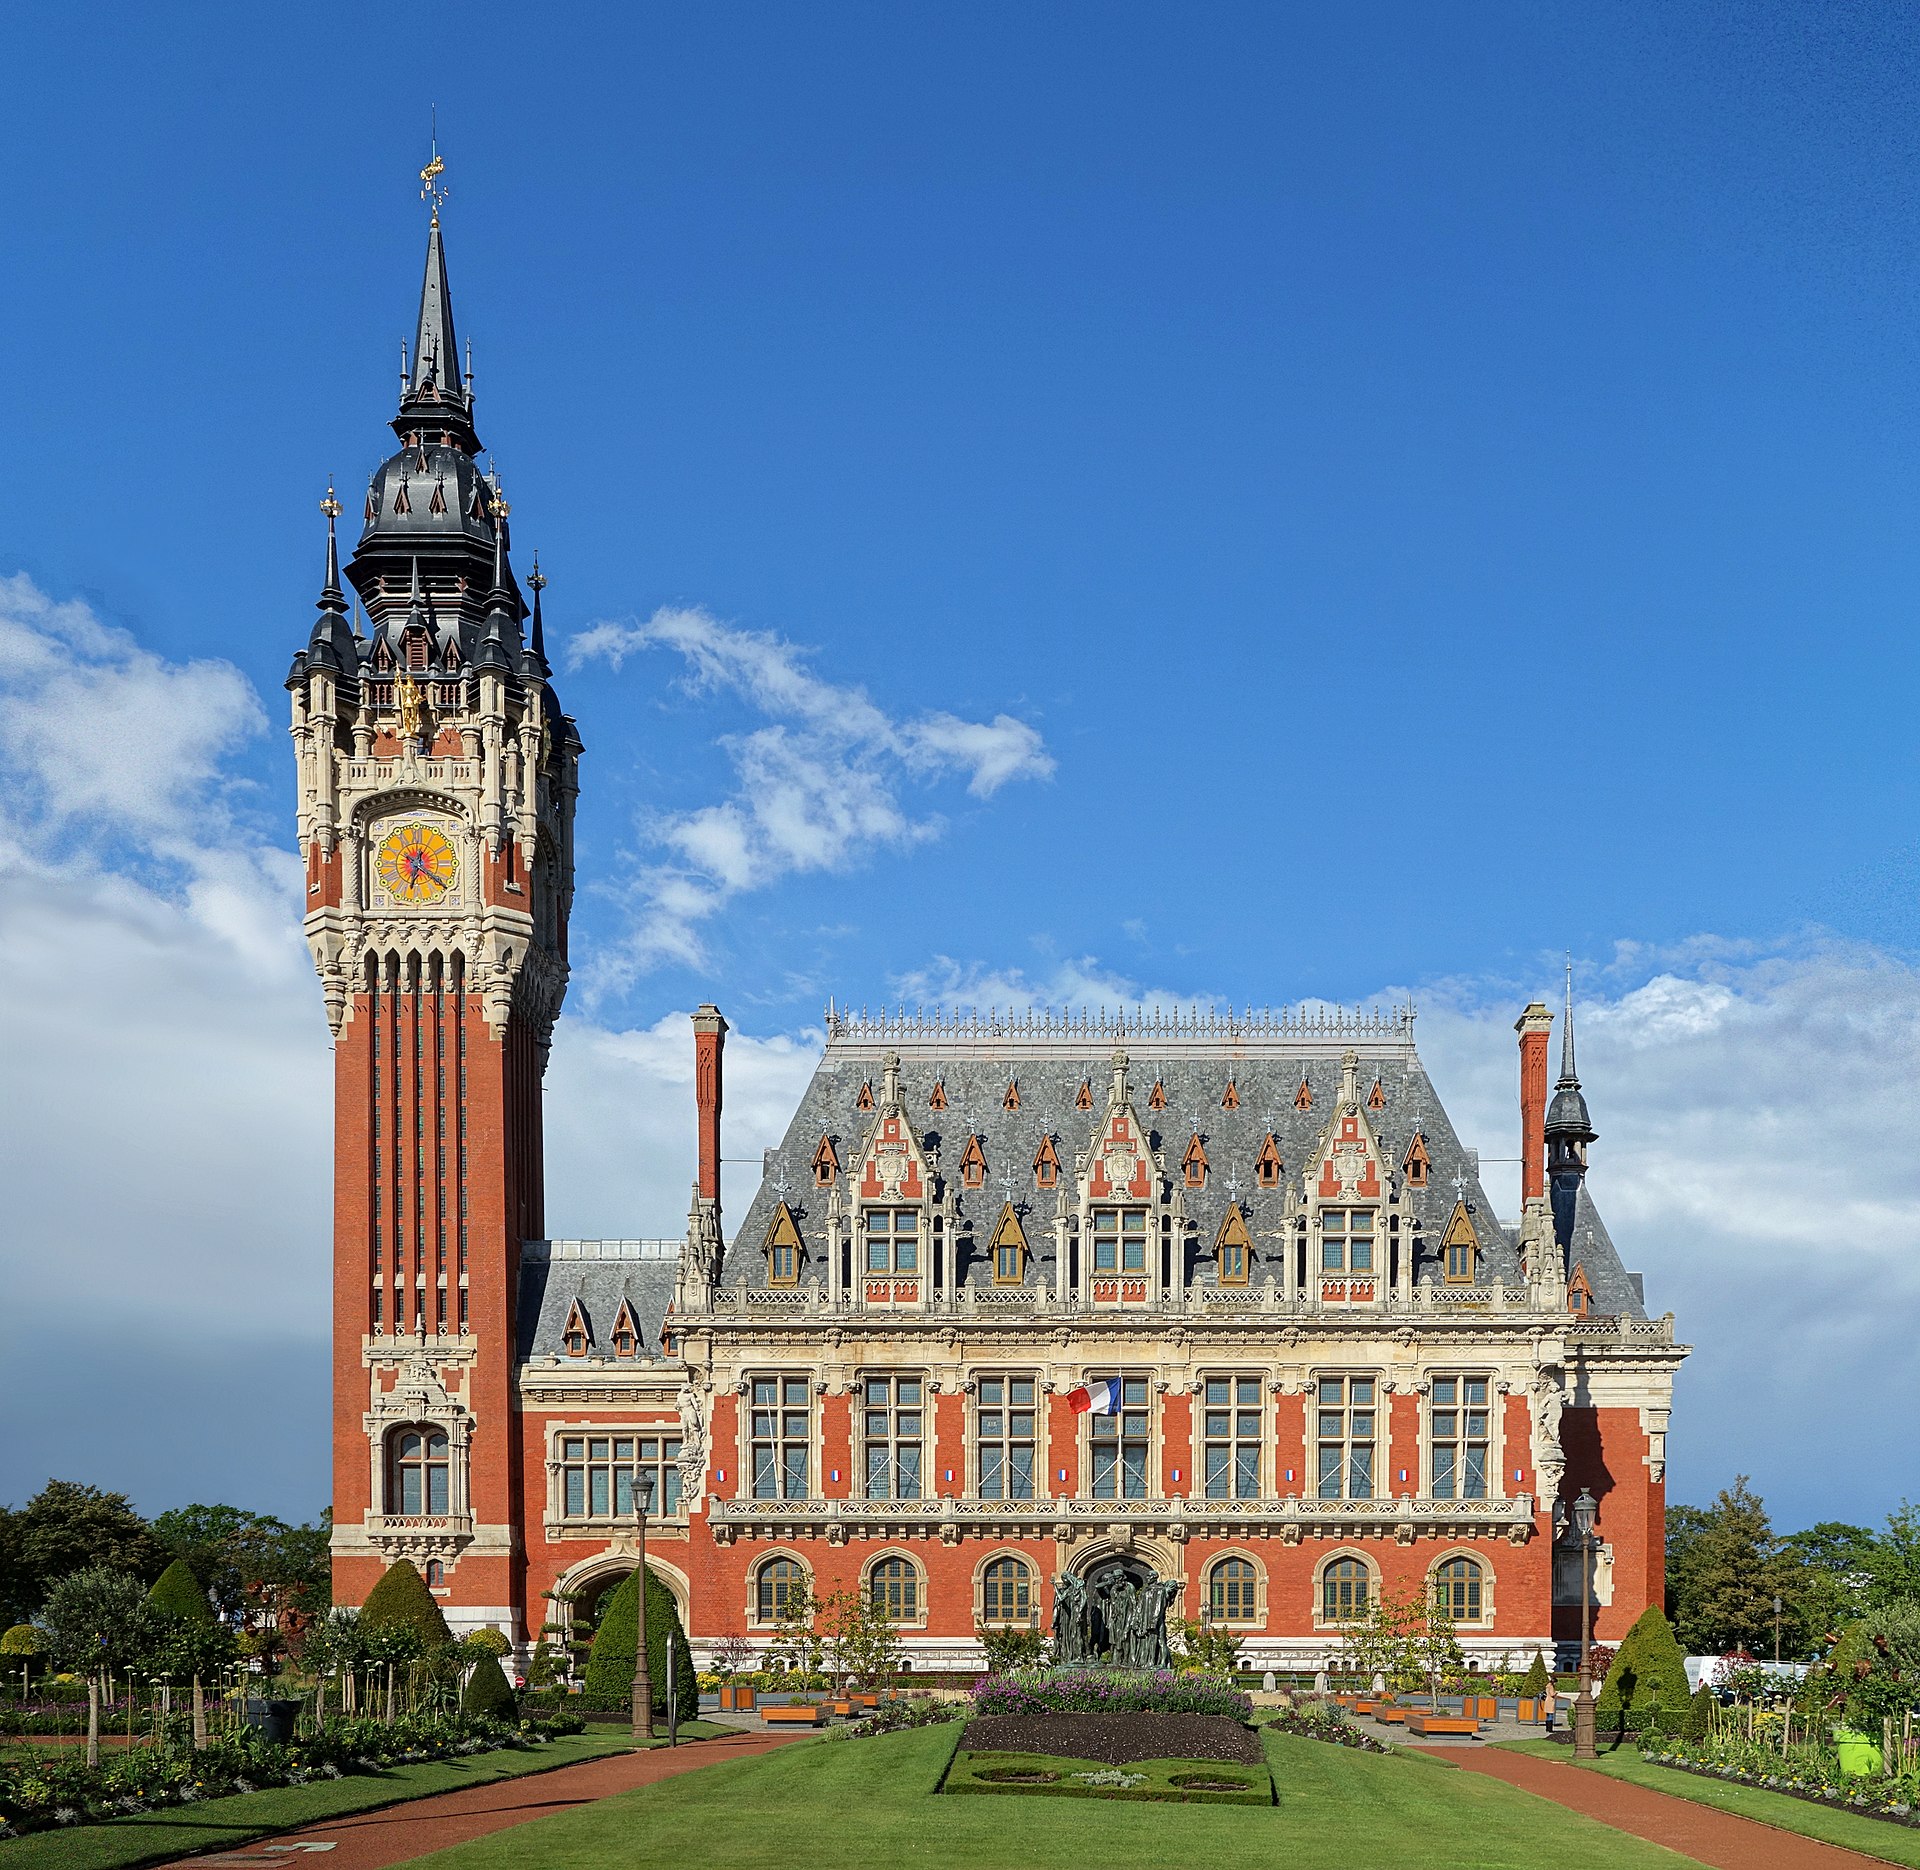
[{"x": 437, "y": 779}]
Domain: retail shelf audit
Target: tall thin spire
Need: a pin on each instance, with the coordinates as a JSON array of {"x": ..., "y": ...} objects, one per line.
[
  {"x": 537, "y": 581},
  {"x": 1567, "y": 1073},
  {"x": 435, "y": 394}
]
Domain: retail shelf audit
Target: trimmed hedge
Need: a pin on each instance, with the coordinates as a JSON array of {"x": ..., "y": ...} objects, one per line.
[
  {"x": 488, "y": 1693},
  {"x": 402, "y": 1598},
  {"x": 1538, "y": 1681},
  {"x": 609, "y": 1681},
  {"x": 1648, "y": 1676},
  {"x": 177, "y": 1594}
]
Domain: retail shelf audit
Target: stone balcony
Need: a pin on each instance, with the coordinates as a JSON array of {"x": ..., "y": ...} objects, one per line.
[
  {"x": 419, "y": 1535},
  {"x": 1290, "y": 1520}
]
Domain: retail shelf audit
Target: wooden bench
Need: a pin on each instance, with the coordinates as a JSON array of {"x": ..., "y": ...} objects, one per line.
[
  {"x": 1441, "y": 1724},
  {"x": 795, "y": 1717}
]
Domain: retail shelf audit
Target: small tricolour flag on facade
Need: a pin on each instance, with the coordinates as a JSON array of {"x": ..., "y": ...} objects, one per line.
[{"x": 1100, "y": 1395}]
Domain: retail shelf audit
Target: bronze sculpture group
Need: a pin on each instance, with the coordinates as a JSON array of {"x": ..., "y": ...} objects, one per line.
[{"x": 1114, "y": 1620}]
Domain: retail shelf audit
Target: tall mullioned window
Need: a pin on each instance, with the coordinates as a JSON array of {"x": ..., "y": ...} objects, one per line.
[
  {"x": 1346, "y": 1589},
  {"x": 1119, "y": 1240},
  {"x": 1003, "y": 1437},
  {"x": 1344, "y": 1409},
  {"x": 1346, "y": 1240},
  {"x": 1232, "y": 1420},
  {"x": 892, "y": 1408},
  {"x": 782, "y": 1419},
  {"x": 1457, "y": 1423},
  {"x": 893, "y": 1240},
  {"x": 1121, "y": 1443},
  {"x": 598, "y": 1474},
  {"x": 1006, "y": 1591},
  {"x": 417, "y": 1471}
]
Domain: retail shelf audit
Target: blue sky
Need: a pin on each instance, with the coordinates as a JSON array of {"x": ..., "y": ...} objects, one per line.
[{"x": 1059, "y": 501}]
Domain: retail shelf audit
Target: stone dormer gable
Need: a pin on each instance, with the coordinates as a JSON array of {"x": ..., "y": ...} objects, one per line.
[
  {"x": 1119, "y": 1164},
  {"x": 1348, "y": 1165},
  {"x": 893, "y": 1164}
]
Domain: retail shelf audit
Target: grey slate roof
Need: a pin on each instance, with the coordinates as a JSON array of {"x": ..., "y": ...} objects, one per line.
[
  {"x": 551, "y": 1282},
  {"x": 1194, "y": 1074}
]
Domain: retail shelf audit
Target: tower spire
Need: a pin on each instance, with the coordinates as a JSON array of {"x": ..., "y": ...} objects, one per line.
[
  {"x": 435, "y": 394},
  {"x": 1568, "y": 1076},
  {"x": 537, "y": 582}
]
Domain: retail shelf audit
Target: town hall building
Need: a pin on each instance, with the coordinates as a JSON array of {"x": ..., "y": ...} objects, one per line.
[{"x": 1322, "y": 1366}]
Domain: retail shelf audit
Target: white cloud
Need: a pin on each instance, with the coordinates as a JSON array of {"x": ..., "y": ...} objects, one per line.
[{"x": 817, "y": 790}]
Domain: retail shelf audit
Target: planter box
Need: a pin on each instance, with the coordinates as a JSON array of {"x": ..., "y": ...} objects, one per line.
[
  {"x": 743, "y": 1698},
  {"x": 806, "y": 1715},
  {"x": 865, "y": 1700},
  {"x": 1481, "y": 1707},
  {"x": 841, "y": 1708},
  {"x": 727, "y": 1692},
  {"x": 1529, "y": 1708}
]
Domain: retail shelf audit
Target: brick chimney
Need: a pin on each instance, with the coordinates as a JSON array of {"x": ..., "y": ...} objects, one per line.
[
  {"x": 709, "y": 1037},
  {"x": 1533, "y": 1026}
]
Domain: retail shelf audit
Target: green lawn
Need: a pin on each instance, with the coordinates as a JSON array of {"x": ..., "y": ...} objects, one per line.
[
  {"x": 1873, "y": 1836},
  {"x": 855, "y": 1804},
  {"x": 157, "y": 1837}
]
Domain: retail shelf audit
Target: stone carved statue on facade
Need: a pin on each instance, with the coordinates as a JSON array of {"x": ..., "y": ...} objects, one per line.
[
  {"x": 693, "y": 1450},
  {"x": 1549, "y": 1460}
]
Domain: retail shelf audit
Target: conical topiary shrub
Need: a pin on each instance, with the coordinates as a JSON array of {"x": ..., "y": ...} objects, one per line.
[
  {"x": 610, "y": 1667},
  {"x": 1699, "y": 1721},
  {"x": 176, "y": 1594},
  {"x": 401, "y": 1600},
  {"x": 1648, "y": 1674},
  {"x": 1538, "y": 1681},
  {"x": 488, "y": 1692}
]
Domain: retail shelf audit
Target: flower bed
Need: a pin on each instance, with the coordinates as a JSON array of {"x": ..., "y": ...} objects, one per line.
[
  {"x": 1110, "y": 1691},
  {"x": 891, "y": 1716},
  {"x": 42, "y": 1791},
  {"x": 1319, "y": 1722},
  {"x": 1802, "y": 1775}
]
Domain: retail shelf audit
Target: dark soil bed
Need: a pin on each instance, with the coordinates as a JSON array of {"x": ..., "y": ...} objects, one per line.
[{"x": 1115, "y": 1739}]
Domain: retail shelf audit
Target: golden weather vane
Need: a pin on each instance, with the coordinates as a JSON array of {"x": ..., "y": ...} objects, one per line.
[
  {"x": 330, "y": 506},
  {"x": 432, "y": 189}
]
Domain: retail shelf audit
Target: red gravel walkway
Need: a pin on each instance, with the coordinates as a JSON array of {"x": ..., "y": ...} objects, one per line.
[
  {"x": 373, "y": 1840},
  {"x": 1697, "y": 1831}
]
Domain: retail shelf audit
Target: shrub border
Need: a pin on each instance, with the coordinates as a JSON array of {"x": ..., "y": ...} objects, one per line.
[{"x": 1738, "y": 1776}]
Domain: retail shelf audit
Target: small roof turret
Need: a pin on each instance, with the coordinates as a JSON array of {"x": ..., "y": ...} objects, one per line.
[{"x": 1567, "y": 1114}]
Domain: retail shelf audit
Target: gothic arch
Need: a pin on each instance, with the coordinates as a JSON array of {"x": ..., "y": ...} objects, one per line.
[{"x": 605, "y": 1569}]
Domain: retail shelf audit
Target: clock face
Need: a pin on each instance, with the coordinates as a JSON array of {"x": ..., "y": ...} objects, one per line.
[{"x": 417, "y": 864}]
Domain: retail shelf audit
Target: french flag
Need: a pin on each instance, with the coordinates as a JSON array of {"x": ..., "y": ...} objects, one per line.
[{"x": 1100, "y": 1397}]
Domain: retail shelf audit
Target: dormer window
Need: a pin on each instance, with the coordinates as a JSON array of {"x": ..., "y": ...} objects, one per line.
[
  {"x": 1046, "y": 1164},
  {"x": 1459, "y": 1249},
  {"x": 783, "y": 1248},
  {"x": 1157, "y": 1097},
  {"x": 1303, "y": 1098},
  {"x": 1233, "y": 1249},
  {"x": 576, "y": 1339},
  {"x": 1012, "y": 1099},
  {"x": 1377, "y": 1097},
  {"x": 1346, "y": 1240},
  {"x": 1230, "y": 1099},
  {"x": 419, "y": 650},
  {"x": 973, "y": 1164},
  {"x": 1119, "y": 1240},
  {"x": 1009, "y": 1249},
  {"x": 1083, "y": 1098},
  {"x": 1267, "y": 1166},
  {"x": 1193, "y": 1165},
  {"x": 826, "y": 1165},
  {"x": 626, "y": 1334},
  {"x": 938, "y": 1099},
  {"x": 893, "y": 1240},
  {"x": 1580, "y": 1293},
  {"x": 865, "y": 1100},
  {"x": 1418, "y": 1164}
]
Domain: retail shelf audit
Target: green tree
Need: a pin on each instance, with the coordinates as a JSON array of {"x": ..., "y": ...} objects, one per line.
[
  {"x": 177, "y": 1594},
  {"x": 1648, "y": 1675},
  {"x": 17, "y": 1599},
  {"x": 610, "y": 1665},
  {"x": 1729, "y": 1574},
  {"x": 488, "y": 1693},
  {"x": 69, "y": 1527},
  {"x": 1827, "y": 1577},
  {"x": 242, "y": 1558},
  {"x": 401, "y": 1597},
  {"x": 1538, "y": 1681},
  {"x": 1893, "y": 1561},
  {"x": 98, "y": 1621},
  {"x": 863, "y": 1644}
]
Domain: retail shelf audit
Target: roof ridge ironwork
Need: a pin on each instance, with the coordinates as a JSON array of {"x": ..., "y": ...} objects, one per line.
[{"x": 1077, "y": 1025}]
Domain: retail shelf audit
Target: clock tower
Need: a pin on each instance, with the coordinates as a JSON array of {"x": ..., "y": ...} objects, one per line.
[{"x": 437, "y": 778}]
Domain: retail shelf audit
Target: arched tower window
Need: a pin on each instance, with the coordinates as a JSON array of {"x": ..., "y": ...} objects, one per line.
[{"x": 417, "y": 1471}]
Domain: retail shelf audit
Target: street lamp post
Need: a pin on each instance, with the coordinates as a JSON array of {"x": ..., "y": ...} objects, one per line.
[
  {"x": 1585, "y": 1511},
  {"x": 642, "y": 1678}
]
